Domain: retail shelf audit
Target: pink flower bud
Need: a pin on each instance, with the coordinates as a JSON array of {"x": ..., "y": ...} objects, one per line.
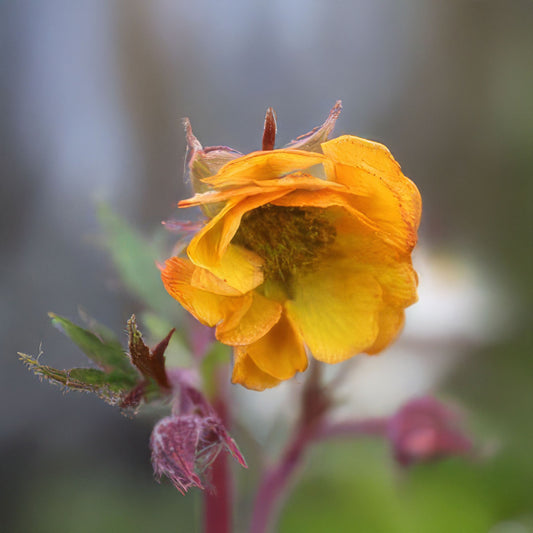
[
  {"x": 185, "y": 444},
  {"x": 424, "y": 429},
  {"x": 183, "y": 447}
]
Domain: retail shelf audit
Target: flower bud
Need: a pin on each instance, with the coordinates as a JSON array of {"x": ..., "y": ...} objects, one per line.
[
  {"x": 183, "y": 447},
  {"x": 185, "y": 444},
  {"x": 424, "y": 429}
]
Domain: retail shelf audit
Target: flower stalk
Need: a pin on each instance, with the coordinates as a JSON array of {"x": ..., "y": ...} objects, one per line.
[
  {"x": 275, "y": 482},
  {"x": 218, "y": 499}
]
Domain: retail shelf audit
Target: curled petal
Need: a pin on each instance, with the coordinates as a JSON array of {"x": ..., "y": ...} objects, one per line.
[
  {"x": 362, "y": 163},
  {"x": 284, "y": 185},
  {"x": 390, "y": 323},
  {"x": 248, "y": 374},
  {"x": 280, "y": 353},
  {"x": 259, "y": 166},
  {"x": 211, "y": 248},
  {"x": 207, "y": 307},
  {"x": 256, "y": 322}
]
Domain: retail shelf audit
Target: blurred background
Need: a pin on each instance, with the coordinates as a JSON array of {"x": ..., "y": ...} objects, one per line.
[{"x": 91, "y": 98}]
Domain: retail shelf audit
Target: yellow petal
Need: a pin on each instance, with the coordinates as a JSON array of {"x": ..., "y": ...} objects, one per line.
[
  {"x": 263, "y": 165},
  {"x": 246, "y": 372},
  {"x": 286, "y": 184},
  {"x": 327, "y": 199},
  {"x": 390, "y": 323},
  {"x": 318, "y": 198},
  {"x": 280, "y": 353},
  {"x": 336, "y": 311},
  {"x": 357, "y": 249},
  {"x": 207, "y": 307},
  {"x": 393, "y": 201},
  {"x": 240, "y": 268},
  {"x": 211, "y": 249},
  {"x": 259, "y": 318},
  {"x": 375, "y": 159},
  {"x": 206, "y": 280}
]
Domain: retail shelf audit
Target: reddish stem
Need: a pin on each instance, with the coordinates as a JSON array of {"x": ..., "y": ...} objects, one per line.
[
  {"x": 314, "y": 405},
  {"x": 218, "y": 501},
  {"x": 275, "y": 484},
  {"x": 312, "y": 427},
  {"x": 275, "y": 481}
]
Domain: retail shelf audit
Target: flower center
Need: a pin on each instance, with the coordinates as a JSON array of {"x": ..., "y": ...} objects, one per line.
[{"x": 288, "y": 239}]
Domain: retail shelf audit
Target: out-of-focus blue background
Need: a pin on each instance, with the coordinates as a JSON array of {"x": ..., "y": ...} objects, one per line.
[{"x": 91, "y": 97}]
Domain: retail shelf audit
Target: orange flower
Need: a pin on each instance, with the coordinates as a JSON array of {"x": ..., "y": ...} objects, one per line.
[{"x": 307, "y": 246}]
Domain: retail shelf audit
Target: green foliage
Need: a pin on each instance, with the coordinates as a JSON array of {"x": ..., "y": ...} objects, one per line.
[
  {"x": 109, "y": 386},
  {"x": 121, "y": 378},
  {"x": 107, "y": 354},
  {"x": 135, "y": 260},
  {"x": 356, "y": 487},
  {"x": 105, "y": 334}
]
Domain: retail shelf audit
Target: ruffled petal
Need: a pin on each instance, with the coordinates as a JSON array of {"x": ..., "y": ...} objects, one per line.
[
  {"x": 211, "y": 248},
  {"x": 327, "y": 198},
  {"x": 239, "y": 268},
  {"x": 280, "y": 353},
  {"x": 261, "y": 166},
  {"x": 357, "y": 249},
  {"x": 206, "y": 280},
  {"x": 207, "y": 307},
  {"x": 248, "y": 374},
  {"x": 258, "y": 320},
  {"x": 286, "y": 184},
  {"x": 391, "y": 200},
  {"x": 390, "y": 323},
  {"x": 336, "y": 311},
  {"x": 376, "y": 160}
]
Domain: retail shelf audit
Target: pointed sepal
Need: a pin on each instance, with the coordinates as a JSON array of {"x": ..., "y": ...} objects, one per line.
[{"x": 311, "y": 141}]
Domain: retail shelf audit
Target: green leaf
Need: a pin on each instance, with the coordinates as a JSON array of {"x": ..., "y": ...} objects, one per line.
[
  {"x": 106, "y": 335},
  {"x": 108, "y": 356},
  {"x": 135, "y": 259},
  {"x": 110, "y": 387}
]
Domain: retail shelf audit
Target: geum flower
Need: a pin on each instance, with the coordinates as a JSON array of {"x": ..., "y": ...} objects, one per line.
[{"x": 306, "y": 246}]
